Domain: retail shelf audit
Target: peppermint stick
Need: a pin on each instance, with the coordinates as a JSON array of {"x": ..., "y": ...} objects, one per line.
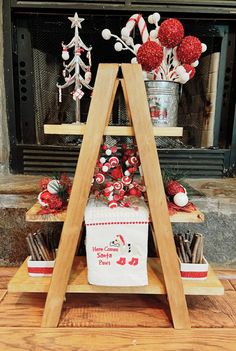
[{"x": 135, "y": 20}]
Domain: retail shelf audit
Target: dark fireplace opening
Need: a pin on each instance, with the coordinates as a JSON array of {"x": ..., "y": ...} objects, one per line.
[{"x": 206, "y": 109}]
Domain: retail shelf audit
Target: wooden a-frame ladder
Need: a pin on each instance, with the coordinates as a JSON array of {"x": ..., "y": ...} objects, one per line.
[{"x": 98, "y": 118}]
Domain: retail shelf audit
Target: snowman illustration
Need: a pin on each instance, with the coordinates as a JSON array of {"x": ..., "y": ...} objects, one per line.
[{"x": 124, "y": 250}]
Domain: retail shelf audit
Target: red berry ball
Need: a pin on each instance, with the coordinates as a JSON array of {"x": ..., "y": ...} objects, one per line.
[
  {"x": 189, "y": 50},
  {"x": 133, "y": 192},
  {"x": 170, "y": 33},
  {"x": 150, "y": 55}
]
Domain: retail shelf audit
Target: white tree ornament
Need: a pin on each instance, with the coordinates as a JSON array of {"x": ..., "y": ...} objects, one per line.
[{"x": 73, "y": 71}]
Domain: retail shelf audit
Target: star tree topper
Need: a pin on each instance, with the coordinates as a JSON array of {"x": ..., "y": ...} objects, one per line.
[{"x": 76, "y": 21}]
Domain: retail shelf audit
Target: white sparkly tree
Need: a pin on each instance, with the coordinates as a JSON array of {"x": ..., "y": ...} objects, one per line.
[{"x": 73, "y": 71}]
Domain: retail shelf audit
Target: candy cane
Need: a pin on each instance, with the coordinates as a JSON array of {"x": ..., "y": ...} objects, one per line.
[{"x": 136, "y": 20}]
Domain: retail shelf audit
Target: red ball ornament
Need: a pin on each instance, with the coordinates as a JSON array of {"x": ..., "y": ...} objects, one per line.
[
  {"x": 170, "y": 33},
  {"x": 138, "y": 193},
  {"x": 113, "y": 149},
  {"x": 173, "y": 187},
  {"x": 106, "y": 193},
  {"x": 189, "y": 69},
  {"x": 116, "y": 197},
  {"x": 189, "y": 50},
  {"x": 133, "y": 192},
  {"x": 132, "y": 170},
  {"x": 150, "y": 55}
]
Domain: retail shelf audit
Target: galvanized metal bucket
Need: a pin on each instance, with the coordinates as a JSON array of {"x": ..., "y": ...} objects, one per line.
[{"x": 163, "y": 99}]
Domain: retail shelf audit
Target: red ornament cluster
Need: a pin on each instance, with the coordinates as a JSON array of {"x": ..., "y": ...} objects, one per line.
[
  {"x": 114, "y": 181},
  {"x": 170, "y": 33},
  {"x": 177, "y": 199},
  {"x": 54, "y": 194},
  {"x": 150, "y": 55}
]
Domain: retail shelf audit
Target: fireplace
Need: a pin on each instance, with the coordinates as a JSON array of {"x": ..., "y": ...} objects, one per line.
[{"x": 33, "y": 65}]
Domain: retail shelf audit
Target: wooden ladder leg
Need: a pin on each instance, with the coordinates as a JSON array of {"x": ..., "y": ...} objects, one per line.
[
  {"x": 155, "y": 192},
  {"x": 100, "y": 108}
]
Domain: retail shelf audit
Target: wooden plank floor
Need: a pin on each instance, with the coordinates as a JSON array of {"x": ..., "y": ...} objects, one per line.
[
  {"x": 119, "y": 339},
  {"x": 140, "y": 322}
]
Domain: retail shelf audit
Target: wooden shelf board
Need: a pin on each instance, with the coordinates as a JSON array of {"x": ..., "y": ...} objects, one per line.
[
  {"x": 79, "y": 129},
  {"x": 189, "y": 217},
  {"x": 33, "y": 216},
  {"x": 21, "y": 282}
]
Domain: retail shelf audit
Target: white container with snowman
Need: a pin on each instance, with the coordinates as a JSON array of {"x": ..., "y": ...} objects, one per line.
[{"x": 116, "y": 244}]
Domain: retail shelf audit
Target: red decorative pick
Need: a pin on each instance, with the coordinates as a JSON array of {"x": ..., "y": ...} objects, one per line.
[
  {"x": 150, "y": 55},
  {"x": 170, "y": 33},
  {"x": 189, "y": 50}
]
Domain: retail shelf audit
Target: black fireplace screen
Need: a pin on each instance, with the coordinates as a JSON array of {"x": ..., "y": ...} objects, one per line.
[{"x": 38, "y": 67}]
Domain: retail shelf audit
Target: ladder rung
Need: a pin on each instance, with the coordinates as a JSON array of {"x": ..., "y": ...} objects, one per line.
[{"x": 73, "y": 129}]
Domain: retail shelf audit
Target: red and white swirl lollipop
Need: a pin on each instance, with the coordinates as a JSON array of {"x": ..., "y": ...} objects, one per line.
[
  {"x": 126, "y": 180},
  {"x": 131, "y": 161},
  {"x": 106, "y": 167},
  {"x": 118, "y": 185},
  {"x": 114, "y": 161},
  {"x": 99, "y": 178}
]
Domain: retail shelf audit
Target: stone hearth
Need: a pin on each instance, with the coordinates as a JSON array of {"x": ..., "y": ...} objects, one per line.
[{"x": 216, "y": 198}]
